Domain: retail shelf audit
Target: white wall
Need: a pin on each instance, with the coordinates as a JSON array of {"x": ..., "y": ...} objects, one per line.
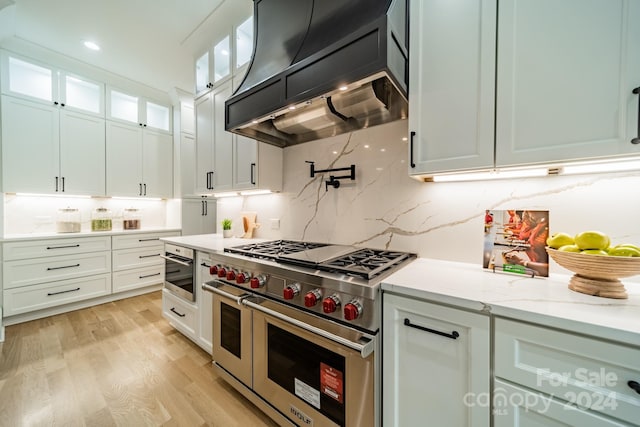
[{"x": 384, "y": 208}]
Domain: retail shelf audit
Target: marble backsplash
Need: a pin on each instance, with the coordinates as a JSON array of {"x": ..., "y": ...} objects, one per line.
[{"x": 385, "y": 208}]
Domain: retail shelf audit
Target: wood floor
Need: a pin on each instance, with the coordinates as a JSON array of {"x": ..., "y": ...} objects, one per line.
[{"x": 116, "y": 364}]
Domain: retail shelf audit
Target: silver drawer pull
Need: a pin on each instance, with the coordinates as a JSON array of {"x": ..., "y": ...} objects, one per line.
[
  {"x": 179, "y": 314},
  {"x": 148, "y": 256},
  {"x": 63, "y": 247},
  {"x": 64, "y": 266},
  {"x": 453, "y": 335},
  {"x": 148, "y": 275},
  {"x": 62, "y": 292}
]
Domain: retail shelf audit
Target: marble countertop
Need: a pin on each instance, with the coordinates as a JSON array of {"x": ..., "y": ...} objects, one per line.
[
  {"x": 546, "y": 301},
  {"x": 45, "y": 236}
]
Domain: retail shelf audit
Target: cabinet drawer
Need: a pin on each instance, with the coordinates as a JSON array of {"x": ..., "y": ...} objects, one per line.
[
  {"x": 38, "y": 297},
  {"x": 179, "y": 313},
  {"x": 42, "y": 270},
  {"x": 141, "y": 240},
  {"x": 138, "y": 278},
  {"x": 515, "y": 406},
  {"x": 54, "y": 247},
  {"x": 134, "y": 258},
  {"x": 577, "y": 369}
]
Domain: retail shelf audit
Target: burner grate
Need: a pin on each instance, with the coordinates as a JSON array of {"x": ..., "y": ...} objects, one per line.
[
  {"x": 273, "y": 249},
  {"x": 367, "y": 263}
]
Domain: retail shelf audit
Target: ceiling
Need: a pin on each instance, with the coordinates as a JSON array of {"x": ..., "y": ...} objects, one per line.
[{"x": 150, "y": 41}]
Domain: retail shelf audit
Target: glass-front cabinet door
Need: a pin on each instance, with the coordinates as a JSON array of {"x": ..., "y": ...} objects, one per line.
[
  {"x": 27, "y": 79},
  {"x": 221, "y": 60},
  {"x": 244, "y": 42},
  {"x": 81, "y": 94},
  {"x": 134, "y": 109},
  {"x": 203, "y": 82}
]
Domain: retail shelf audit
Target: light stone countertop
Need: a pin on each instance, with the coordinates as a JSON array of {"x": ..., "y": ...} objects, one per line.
[
  {"x": 546, "y": 301},
  {"x": 115, "y": 232}
]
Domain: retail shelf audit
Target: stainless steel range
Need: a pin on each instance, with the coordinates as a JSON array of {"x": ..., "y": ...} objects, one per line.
[{"x": 295, "y": 328}]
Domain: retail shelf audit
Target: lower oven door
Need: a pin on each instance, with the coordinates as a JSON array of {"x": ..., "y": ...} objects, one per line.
[
  {"x": 312, "y": 379},
  {"x": 231, "y": 331}
]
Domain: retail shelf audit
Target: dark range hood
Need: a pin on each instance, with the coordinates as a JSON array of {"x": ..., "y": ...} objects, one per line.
[{"x": 321, "y": 68}]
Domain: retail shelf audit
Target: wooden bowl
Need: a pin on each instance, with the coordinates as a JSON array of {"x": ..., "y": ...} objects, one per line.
[{"x": 597, "y": 274}]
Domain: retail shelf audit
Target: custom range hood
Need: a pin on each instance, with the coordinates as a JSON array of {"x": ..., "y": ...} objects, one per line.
[{"x": 321, "y": 68}]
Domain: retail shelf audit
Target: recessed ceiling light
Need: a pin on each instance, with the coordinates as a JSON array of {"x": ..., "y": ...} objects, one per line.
[{"x": 91, "y": 45}]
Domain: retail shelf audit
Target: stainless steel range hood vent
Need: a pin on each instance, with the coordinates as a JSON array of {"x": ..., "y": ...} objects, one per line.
[{"x": 321, "y": 68}]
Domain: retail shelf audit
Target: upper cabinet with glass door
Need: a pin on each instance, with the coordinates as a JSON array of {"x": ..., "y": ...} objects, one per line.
[
  {"x": 135, "y": 109},
  {"x": 25, "y": 78},
  {"x": 226, "y": 56}
]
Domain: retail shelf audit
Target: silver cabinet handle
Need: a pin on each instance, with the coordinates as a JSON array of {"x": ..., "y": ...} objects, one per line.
[
  {"x": 215, "y": 290},
  {"x": 188, "y": 264},
  {"x": 364, "y": 349}
]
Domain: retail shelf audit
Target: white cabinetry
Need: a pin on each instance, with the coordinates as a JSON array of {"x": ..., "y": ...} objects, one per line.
[
  {"x": 205, "y": 302},
  {"x": 198, "y": 216},
  {"x": 136, "y": 260},
  {"x": 570, "y": 379},
  {"x": 47, "y": 149},
  {"x": 135, "y": 109},
  {"x": 435, "y": 359},
  {"x": 451, "y": 85},
  {"x": 225, "y": 161},
  {"x": 563, "y": 86},
  {"x": 47, "y": 273},
  {"x": 180, "y": 313},
  {"x": 139, "y": 161}
]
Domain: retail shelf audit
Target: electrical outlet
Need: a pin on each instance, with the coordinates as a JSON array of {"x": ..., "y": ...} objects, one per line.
[{"x": 275, "y": 223}]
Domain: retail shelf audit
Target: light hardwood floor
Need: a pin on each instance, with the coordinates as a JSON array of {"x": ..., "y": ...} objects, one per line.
[{"x": 116, "y": 364}]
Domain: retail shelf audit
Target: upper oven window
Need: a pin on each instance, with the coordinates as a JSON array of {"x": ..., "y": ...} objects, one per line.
[{"x": 307, "y": 370}]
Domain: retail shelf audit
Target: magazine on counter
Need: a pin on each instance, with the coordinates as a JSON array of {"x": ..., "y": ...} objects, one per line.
[{"x": 515, "y": 240}]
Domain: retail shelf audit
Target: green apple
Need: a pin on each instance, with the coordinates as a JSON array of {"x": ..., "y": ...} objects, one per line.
[
  {"x": 569, "y": 248},
  {"x": 627, "y": 245},
  {"x": 594, "y": 252},
  {"x": 557, "y": 240},
  {"x": 592, "y": 240},
  {"x": 624, "y": 251}
]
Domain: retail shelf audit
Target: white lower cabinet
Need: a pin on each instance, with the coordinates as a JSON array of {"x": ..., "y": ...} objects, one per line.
[
  {"x": 590, "y": 382},
  {"x": 180, "y": 313},
  {"x": 519, "y": 407},
  {"x": 37, "y": 297},
  {"x": 34, "y": 277},
  {"x": 205, "y": 302},
  {"x": 436, "y": 365},
  {"x": 137, "y": 260}
]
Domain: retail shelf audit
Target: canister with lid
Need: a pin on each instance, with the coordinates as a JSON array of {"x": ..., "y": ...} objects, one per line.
[
  {"x": 131, "y": 219},
  {"x": 101, "y": 219},
  {"x": 68, "y": 220}
]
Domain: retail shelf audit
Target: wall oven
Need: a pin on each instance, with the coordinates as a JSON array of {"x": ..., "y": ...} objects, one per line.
[{"x": 179, "y": 275}]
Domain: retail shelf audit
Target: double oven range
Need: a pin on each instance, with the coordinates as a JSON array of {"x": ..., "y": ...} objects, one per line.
[{"x": 295, "y": 328}]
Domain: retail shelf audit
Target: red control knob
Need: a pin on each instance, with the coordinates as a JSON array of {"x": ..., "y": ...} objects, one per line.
[
  {"x": 222, "y": 272},
  {"x": 258, "y": 281},
  {"x": 291, "y": 291},
  {"x": 311, "y": 298},
  {"x": 242, "y": 278},
  {"x": 213, "y": 270},
  {"x": 330, "y": 304},
  {"x": 231, "y": 275},
  {"x": 352, "y": 310}
]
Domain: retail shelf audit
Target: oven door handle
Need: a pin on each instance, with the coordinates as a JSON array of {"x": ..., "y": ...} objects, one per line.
[
  {"x": 172, "y": 259},
  {"x": 364, "y": 349},
  {"x": 215, "y": 290}
]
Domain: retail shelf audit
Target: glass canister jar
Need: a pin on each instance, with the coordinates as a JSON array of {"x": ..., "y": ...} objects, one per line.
[
  {"x": 101, "y": 219},
  {"x": 68, "y": 220},
  {"x": 131, "y": 219}
]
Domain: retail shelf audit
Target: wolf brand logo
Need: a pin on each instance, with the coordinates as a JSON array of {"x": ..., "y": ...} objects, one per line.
[{"x": 306, "y": 421}]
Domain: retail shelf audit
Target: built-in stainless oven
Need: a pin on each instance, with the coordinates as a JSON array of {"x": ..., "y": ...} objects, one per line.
[
  {"x": 308, "y": 370},
  {"x": 179, "y": 277}
]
